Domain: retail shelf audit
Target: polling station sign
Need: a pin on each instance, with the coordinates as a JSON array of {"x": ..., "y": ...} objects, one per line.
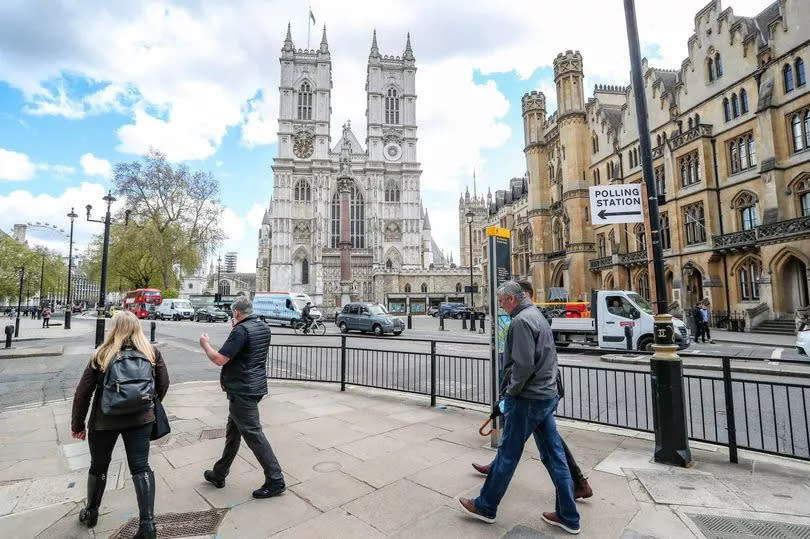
[{"x": 616, "y": 204}]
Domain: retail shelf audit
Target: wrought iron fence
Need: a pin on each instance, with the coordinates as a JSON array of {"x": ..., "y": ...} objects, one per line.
[{"x": 763, "y": 416}]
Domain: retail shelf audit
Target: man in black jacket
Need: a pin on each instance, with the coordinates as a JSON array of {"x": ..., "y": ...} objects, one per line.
[{"x": 243, "y": 359}]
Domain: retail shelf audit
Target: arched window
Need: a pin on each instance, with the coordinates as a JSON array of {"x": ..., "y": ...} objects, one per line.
[
  {"x": 748, "y": 276},
  {"x": 643, "y": 285},
  {"x": 691, "y": 123},
  {"x": 666, "y": 239},
  {"x": 735, "y": 106},
  {"x": 305, "y": 271},
  {"x": 752, "y": 151},
  {"x": 610, "y": 170},
  {"x": 611, "y": 241},
  {"x": 746, "y": 205},
  {"x": 391, "y": 191},
  {"x": 594, "y": 144},
  {"x": 801, "y": 79},
  {"x": 743, "y": 101},
  {"x": 388, "y": 264},
  {"x": 806, "y": 127},
  {"x": 710, "y": 69},
  {"x": 305, "y": 102},
  {"x": 407, "y": 289},
  {"x": 424, "y": 287},
  {"x": 697, "y": 119},
  {"x": 392, "y": 107},
  {"x": 641, "y": 237},
  {"x": 658, "y": 139},
  {"x": 302, "y": 191},
  {"x": 787, "y": 78},
  {"x": 600, "y": 244},
  {"x": 458, "y": 287},
  {"x": 802, "y": 191},
  {"x": 718, "y": 66},
  {"x": 726, "y": 109},
  {"x": 357, "y": 223},
  {"x": 225, "y": 287},
  {"x": 796, "y": 130},
  {"x": 694, "y": 223},
  {"x": 557, "y": 236}
]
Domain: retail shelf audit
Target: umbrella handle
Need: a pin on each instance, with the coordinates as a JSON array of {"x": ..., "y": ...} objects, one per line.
[{"x": 481, "y": 430}]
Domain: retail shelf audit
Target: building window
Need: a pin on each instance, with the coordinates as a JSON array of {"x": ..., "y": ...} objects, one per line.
[
  {"x": 595, "y": 143},
  {"x": 407, "y": 289},
  {"x": 718, "y": 66},
  {"x": 796, "y": 130},
  {"x": 610, "y": 170},
  {"x": 357, "y": 224},
  {"x": 600, "y": 244},
  {"x": 663, "y": 230},
  {"x": 392, "y": 192},
  {"x": 458, "y": 287},
  {"x": 690, "y": 169},
  {"x": 302, "y": 191},
  {"x": 801, "y": 79},
  {"x": 424, "y": 287},
  {"x": 388, "y": 264},
  {"x": 743, "y": 101},
  {"x": 694, "y": 224},
  {"x": 802, "y": 190},
  {"x": 787, "y": 78},
  {"x": 735, "y": 106},
  {"x": 749, "y": 279},
  {"x": 746, "y": 205},
  {"x": 726, "y": 109},
  {"x": 305, "y": 271},
  {"x": 558, "y": 242},
  {"x": 305, "y": 102},
  {"x": 392, "y": 107},
  {"x": 660, "y": 181},
  {"x": 710, "y": 69},
  {"x": 641, "y": 237},
  {"x": 742, "y": 153},
  {"x": 612, "y": 242},
  {"x": 643, "y": 285}
]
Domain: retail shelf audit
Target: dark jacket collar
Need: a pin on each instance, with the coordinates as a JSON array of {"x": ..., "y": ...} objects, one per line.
[
  {"x": 245, "y": 319},
  {"x": 525, "y": 303}
]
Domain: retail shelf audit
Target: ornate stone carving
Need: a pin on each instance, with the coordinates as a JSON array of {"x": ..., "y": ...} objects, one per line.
[
  {"x": 303, "y": 145},
  {"x": 301, "y": 232},
  {"x": 392, "y": 231}
]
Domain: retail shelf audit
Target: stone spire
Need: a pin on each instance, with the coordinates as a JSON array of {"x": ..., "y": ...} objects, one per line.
[
  {"x": 375, "y": 52},
  {"x": 288, "y": 43},
  {"x": 408, "y": 51},
  {"x": 324, "y": 45},
  {"x": 426, "y": 224}
]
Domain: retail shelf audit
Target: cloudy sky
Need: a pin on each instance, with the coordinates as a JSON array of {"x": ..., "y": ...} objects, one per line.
[{"x": 84, "y": 85}]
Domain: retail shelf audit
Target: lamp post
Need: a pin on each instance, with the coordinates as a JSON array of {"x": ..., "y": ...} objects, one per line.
[
  {"x": 102, "y": 302},
  {"x": 68, "y": 303},
  {"x": 19, "y": 303},
  {"x": 470, "y": 216},
  {"x": 41, "y": 279},
  {"x": 219, "y": 283}
]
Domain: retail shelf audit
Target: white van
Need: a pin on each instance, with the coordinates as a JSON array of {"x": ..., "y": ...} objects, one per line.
[
  {"x": 281, "y": 307},
  {"x": 174, "y": 309}
]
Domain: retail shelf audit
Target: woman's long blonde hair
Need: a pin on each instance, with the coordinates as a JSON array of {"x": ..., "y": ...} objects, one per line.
[{"x": 125, "y": 329}]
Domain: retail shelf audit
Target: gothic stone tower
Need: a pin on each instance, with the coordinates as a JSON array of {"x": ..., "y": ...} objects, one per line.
[{"x": 537, "y": 164}]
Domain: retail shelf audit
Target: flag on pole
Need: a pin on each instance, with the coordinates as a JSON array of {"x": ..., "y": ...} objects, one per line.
[{"x": 311, "y": 16}]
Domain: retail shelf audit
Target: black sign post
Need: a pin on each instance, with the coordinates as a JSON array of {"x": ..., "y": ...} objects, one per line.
[{"x": 500, "y": 271}]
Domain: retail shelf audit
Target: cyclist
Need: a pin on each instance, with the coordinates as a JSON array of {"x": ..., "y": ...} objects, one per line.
[{"x": 306, "y": 317}]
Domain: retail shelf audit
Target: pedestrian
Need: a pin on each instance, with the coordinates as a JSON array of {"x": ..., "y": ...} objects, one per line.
[
  {"x": 125, "y": 342},
  {"x": 46, "y": 317},
  {"x": 529, "y": 397},
  {"x": 704, "y": 320},
  {"x": 243, "y": 377},
  {"x": 582, "y": 489},
  {"x": 697, "y": 318}
]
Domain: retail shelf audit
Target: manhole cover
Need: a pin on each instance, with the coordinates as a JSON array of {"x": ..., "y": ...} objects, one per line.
[
  {"x": 719, "y": 527},
  {"x": 328, "y": 466},
  {"x": 212, "y": 434},
  {"x": 178, "y": 524}
]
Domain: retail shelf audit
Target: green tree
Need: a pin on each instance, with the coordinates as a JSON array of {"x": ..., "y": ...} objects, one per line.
[{"x": 14, "y": 255}]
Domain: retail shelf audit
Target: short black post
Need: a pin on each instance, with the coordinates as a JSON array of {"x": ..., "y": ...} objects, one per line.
[
  {"x": 628, "y": 336},
  {"x": 731, "y": 425},
  {"x": 482, "y": 317},
  {"x": 433, "y": 372},
  {"x": 464, "y": 320},
  {"x": 152, "y": 326},
  {"x": 472, "y": 321},
  {"x": 343, "y": 363},
  {"x": 409, "y": 320},
  {"x": 9, "y": 334},
  {"x": 441, "y": 322}
]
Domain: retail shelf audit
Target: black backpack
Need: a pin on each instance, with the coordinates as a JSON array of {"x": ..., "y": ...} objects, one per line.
[{"x": 129, "y": 384}]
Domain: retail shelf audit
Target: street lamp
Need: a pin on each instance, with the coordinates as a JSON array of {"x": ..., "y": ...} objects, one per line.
[
  {"x": 19, "y": 303},
  {"x": 68, "y": 303},
  {"x": 102, "y": 302},
  {"x": 219, "y": 283},
  {"x": 470, "y": 216}
]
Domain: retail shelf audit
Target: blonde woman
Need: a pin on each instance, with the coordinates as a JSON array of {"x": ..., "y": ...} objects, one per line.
[{"x": 103, "y": 430}]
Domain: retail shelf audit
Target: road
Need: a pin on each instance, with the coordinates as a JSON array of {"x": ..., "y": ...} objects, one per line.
[{"x": 769, "y": 409}]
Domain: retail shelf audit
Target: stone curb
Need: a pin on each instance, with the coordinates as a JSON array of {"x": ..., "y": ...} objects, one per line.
[
  {"x": 746, "y": 370},
  {"x": 18, "y": 353}
]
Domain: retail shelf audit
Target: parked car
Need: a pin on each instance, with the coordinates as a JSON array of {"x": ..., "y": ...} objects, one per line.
[
  {"x": 460, "y": 311},
  {"x": 368, "y": 317},
  {"x": 446, "y": 308},
  {"x": 210, "y": 314},
  {"x": 803, "y": 339},
  {"x": 433, "y": 311}
]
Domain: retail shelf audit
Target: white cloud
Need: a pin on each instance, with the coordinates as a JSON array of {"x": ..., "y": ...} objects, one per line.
[
  {"x": 61, "y": 170},
  {"x": 15, "y": 166},
  {"x": 95, "y": 166}
]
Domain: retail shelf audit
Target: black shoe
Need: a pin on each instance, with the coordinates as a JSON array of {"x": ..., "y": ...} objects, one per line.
[
  {"x": 212, "y": 478},
  {"x": 95, "y": 490},
  {"x": 268, "y": 490},
  {"x": 145, "y": 493}
]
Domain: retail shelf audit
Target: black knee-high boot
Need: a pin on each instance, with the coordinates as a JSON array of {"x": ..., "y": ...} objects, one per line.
[
  {"x": 145, "y": 492},
  {"x": 95, "y": 490}
]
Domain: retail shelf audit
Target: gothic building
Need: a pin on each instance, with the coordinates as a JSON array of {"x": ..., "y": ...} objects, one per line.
[{"x": 388, "y": 228}]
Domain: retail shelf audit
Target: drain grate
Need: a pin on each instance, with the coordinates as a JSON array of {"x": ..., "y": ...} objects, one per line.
[
  {"x": 719, "y": 527},
  {"x": 169, "y": 525},
  {"x": 212, "y": 434}
]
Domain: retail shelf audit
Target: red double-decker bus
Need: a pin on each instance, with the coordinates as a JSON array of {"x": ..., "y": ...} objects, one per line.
[{"x": 139, "y": 301}]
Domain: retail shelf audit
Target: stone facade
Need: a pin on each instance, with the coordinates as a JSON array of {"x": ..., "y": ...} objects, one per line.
[{"x": 730, "y": 131}]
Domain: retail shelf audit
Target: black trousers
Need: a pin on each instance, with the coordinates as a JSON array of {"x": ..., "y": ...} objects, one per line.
[
  {"x": 136, "y": 443},
  {"x": 244, "y": 422},
  {"x": 573, "y": 467}
]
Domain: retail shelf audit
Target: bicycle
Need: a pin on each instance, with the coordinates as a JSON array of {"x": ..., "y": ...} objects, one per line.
[{"x": 316, "y": 327}]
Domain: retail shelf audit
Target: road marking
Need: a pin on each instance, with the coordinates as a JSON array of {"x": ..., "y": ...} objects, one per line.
[{"x": 777, "y": 354}]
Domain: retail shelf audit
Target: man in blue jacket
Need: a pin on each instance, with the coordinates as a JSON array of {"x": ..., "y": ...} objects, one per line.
[{"x": 529, "y": 400}]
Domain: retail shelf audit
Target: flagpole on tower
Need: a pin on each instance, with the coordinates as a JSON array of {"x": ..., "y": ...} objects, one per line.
[{"x": 310, "y": 22}]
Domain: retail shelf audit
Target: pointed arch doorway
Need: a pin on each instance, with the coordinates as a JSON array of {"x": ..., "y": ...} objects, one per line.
[{"x": 792, "y": 285}]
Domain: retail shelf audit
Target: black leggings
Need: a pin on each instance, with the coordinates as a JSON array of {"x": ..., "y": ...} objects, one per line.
[{"x": 136, "y": 443}]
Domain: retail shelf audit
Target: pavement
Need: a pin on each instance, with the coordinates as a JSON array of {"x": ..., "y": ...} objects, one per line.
[
  {"x": 759, "y": 339},
  {"x": 32, "y": 330},
  {"x": 365, "y": 463}
]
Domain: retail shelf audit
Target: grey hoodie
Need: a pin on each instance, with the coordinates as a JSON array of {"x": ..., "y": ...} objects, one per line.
[{"x": 529, "y": 350}]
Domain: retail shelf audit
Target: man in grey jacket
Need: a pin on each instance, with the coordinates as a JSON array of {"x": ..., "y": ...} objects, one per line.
[{"x": 529, "y": 399}]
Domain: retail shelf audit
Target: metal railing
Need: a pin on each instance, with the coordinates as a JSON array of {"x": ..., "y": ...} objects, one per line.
[{"x": 757, "y": 415}]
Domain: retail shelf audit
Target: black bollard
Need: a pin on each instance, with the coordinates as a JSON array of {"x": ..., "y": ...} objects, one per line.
[
  {"x": 472, "y": 321},
  {"x": 628, "y": 335},
  {"x": 152, "y": 326},
  {"x": 482, "y": 317},
  {"x": 464, "y": 320},
  {"x": 9, "y": 334},
  {"x": 409, "y": 320},
  {"x": 441, "y": 322}
]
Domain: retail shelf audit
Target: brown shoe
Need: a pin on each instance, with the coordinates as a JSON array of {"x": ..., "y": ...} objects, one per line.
[
  {"x": 554, "y": 520},
  {"x": 483, "y": 469},
  {"x": 469, "y": 507},
  {"x": 582, "y": 489}
]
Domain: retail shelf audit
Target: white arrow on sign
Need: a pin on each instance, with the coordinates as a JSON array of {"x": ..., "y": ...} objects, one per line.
[{"x": 616, "y": 204}]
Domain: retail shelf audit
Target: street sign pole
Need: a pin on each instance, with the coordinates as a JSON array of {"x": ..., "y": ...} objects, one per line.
[
  {"x": 666, "y": 368},
  {"x": 500, "y": 271}
]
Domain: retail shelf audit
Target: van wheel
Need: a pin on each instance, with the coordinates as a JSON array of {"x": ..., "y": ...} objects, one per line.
[
  {"x": 377, "y": 328},
  {"x": 645, "y": 344},
  {"x": 343, "y": 327}
]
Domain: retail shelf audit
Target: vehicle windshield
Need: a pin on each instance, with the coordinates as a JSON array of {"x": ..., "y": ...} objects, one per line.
[
  {"x": 640, "y": 302},
  {"x": 182, "y": 304},
  {"x": 377, "y": 309},
  {"x": 300, "y": 303}
]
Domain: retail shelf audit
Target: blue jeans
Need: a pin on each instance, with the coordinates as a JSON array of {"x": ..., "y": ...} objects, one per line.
[{"x": 526, "y": 417}]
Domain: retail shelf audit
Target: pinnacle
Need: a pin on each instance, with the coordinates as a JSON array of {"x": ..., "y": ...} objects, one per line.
[
  {"x": 374, "y": 50},
  {"x": 324, "y": 44},
  {"x": 408, "y": 51},
  {"x": 288, "y": 42}
]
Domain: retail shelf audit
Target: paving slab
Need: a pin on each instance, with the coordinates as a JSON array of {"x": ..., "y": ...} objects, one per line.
[
  {"x": 32, "y": 352},
  {"x": 11, "y": 494},
  {"x": 449, "y": 522},
  {"x": 331, "y": 490},
  {"x": 262, "y": 518},
  {"x": 373, "y": 446},
  {"x": 32, "y": 523},
  {"x": 307, "y": 465},
  {"x": 772, "y": 494},
  {"x": 386, "y": 469},
  {"x": 334, "y": 524},
  {"x": 455, "y": 476},
  {"x": 53, "y": 490},
  {"x": 622, "y": 459},
  {"x": 686, "y": 488},
  {"x": 395, "y": 506},
  {"x": 418, "y": 432}
]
